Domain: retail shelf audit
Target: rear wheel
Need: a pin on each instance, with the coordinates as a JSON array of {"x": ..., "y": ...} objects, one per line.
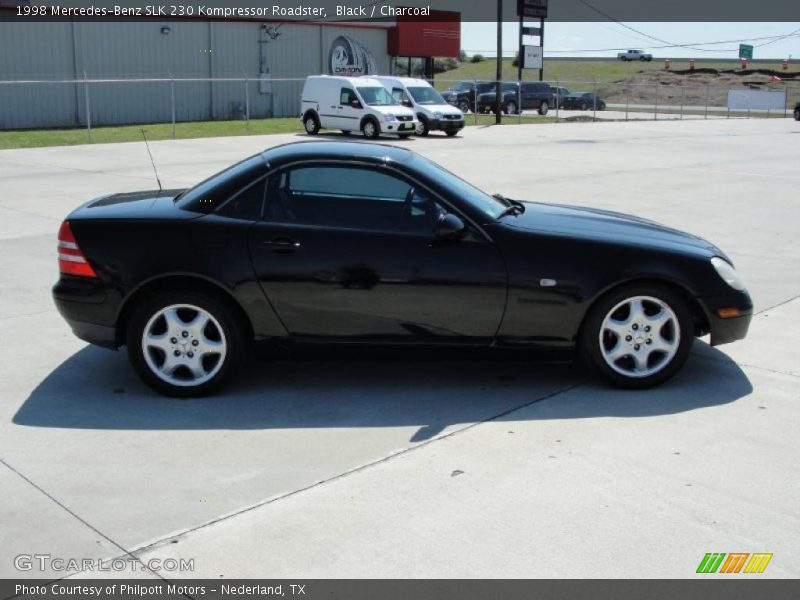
[
  {"x": 544, "y": 107},
  {"x": 311, "y": 124},
  {"x": 638, "y": 336},
  {"x": 584, "y": 106},
  {"x": 511, "y": 108},
  {"x": 184, "y": 343}
]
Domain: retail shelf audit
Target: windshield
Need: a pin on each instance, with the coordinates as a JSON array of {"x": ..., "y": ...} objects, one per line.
[
  {"x": 376, "y": 96},
  {"x": 466, "y": 192},
  {"x": 463, "y": 86},
  {"x": 425, "y": 95}
]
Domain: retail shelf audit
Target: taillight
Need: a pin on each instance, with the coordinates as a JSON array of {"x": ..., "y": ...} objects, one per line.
[{"x": 71, "y": 260}]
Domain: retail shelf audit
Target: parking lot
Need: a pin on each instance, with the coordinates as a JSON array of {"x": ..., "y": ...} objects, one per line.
[{"x": 419, "y": 466}]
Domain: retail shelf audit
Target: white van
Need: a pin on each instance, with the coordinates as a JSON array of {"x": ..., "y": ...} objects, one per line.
[
  {"x": 353, "y": 104},
  {"x": 431, "y": 110}
]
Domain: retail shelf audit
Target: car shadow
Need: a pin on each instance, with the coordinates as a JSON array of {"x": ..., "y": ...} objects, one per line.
[{"x": 97, "y": 389}]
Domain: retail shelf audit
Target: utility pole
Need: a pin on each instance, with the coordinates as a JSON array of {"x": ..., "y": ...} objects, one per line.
[{"x": 497, "y": 93}]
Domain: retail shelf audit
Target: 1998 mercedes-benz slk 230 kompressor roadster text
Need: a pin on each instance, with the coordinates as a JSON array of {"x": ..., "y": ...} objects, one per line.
[{"x": 360, "y": 242}]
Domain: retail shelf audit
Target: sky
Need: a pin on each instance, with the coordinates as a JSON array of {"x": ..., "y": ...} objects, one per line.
[{"x": 588, "y": 39}]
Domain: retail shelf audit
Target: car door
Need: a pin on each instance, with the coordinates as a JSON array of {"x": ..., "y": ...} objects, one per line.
[
  {"x": 349, "y": 111},
  {"x": 347, "y": 251},
  {"x": 528, "y": 93}
]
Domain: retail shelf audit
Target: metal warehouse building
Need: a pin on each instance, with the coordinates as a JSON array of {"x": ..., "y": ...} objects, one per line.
[{"x": 61, "y": 74}]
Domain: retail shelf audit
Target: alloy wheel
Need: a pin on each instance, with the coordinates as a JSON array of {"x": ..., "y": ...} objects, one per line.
[
  {"x": 184, "y": 345},
  {"x": 639, "y": 336}
]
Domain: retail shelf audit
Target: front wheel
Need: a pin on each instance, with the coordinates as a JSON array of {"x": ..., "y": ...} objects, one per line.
[
  {"x": 638, "y": 336},
  {"x": 370, "y": 129},
  {"x": 511, "y": 107},
  {"x": 422, "y": 126},
  {"x": 184, "y": 343}
]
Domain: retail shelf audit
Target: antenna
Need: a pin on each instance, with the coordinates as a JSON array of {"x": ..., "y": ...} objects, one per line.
[{"x": 152, "y": 162}]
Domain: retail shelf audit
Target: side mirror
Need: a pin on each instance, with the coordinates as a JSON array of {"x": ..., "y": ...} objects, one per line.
[
  {"x": 355, "y": 103},
  {"x": 407, "y": 103},
  {"x": 450, "y": 227}
]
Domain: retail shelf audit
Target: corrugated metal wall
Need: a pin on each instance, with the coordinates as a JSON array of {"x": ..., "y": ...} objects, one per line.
[{"x": 126, "y": 50}]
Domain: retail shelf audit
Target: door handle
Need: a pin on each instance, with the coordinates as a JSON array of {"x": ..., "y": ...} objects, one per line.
[{"x": 281, "y": 245}]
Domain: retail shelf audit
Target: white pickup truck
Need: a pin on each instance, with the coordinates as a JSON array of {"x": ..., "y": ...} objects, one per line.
[{"x": 634, "y": 55}]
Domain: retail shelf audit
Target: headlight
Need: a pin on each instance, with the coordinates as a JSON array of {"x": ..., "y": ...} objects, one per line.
[
  {"x": 728, "y": 273},
  {"x": 437, "y": 115},
  {"x": 389, "y": 118}
]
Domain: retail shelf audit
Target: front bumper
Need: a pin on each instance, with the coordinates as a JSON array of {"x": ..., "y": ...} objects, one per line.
[
  {"x": 398, "y": 126},
  {"x": 726, "y": 330},
  {"x": 446, "y": 124},
  {"x": 86, "y": 309}
]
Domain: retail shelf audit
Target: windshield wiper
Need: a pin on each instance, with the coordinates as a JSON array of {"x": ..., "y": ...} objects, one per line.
[{"x": 513, "y": 207}]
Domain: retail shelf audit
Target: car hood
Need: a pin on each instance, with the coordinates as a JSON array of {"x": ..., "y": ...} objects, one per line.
[
  {"x": 397, "y": 110},
  {"x": 607, "y": 225},
  {"x": 133, "y": 205},
  {"x": 445, "y": 109}
]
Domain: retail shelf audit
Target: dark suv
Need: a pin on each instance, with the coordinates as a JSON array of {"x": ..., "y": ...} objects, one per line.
[
  {"x": 463, "y": 93},
  {"x": 532, "y": 95}
]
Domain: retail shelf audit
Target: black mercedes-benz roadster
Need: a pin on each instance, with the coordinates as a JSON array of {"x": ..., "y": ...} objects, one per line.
[{"x": 355, "y": 242}]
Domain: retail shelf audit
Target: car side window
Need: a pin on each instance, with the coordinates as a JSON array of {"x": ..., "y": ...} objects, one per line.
[
  {"x": 246, "y": 204},
  {"x": 400, "y": 95},
  {"x": 350, "y": 197},
  {"x": 346, "y": 96}
]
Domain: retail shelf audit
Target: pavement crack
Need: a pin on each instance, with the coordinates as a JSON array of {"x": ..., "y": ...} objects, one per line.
[
  {"x": 778, "y": 305},
  {"x": 80, "y": 519},
  {"x": 403, "y": 451}
]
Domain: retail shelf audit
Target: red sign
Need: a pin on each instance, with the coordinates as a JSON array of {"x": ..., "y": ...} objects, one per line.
[{"x": 438, "y": 34}]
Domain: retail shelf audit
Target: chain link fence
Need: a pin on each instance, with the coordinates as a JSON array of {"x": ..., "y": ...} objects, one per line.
[{"x": 101, "y": 102}]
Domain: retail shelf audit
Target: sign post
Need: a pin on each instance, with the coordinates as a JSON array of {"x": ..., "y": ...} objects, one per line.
[{"x": 534, "y": 9}]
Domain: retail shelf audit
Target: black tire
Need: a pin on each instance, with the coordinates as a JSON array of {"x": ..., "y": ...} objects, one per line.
[
  {"x": 510, "y": 107},
  {"x": 311, "y": 123},
  {"x": 590, "y": 340},
  {"x": 584, "y": 106},
  {"x": 544, "y": 107},
  {"x": 451, "y": 133},
  {"x": 424, "y": 128},
  {"x": 463, "y": 106},
  {"x": 370, "y": 129},
  {"x": 404, "y": 136},
  {"x": 797, "y": 114},
  {"x": 345, "y": 132},
  {"x": 227, "y": 327}
]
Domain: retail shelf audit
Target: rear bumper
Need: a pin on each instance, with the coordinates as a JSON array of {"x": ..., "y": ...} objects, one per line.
[
  {"x": 726, "y": 330},
  {"x": 86, "y": 309}
]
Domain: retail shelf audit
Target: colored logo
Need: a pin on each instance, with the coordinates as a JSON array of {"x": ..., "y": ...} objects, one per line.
[{"x": 734, "y": 562}]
